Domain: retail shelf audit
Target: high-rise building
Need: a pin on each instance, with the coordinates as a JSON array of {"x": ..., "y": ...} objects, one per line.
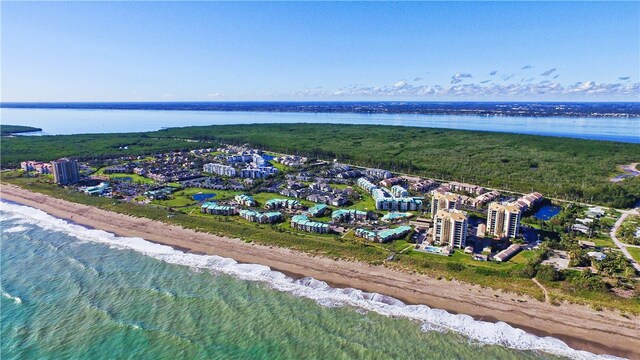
[
  {"x": 450, "y": 228},
  {"x": 219, "y": 169},
  {"x": 503, "y": 220},
  {"x": 65, "y": 171},
  {"x": 445, "y": 201}
]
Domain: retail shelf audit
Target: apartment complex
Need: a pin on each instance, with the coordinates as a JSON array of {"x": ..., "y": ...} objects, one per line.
[
  {"x": 503, "y": 220},
  {"x": 444, "y": 201},
  {"x": 387, "y": 200},
  {"x": 40, "y": 167},
  {"x": 213, "y": 208},
  {"x": 274, "y": 204},
  {"x": 219, "y": 169},
  {"x": 65, "y": 171},
  {"x": 301, "y": 222},
  {"x": 450, "y": 228},
  {"x": 258, "y": 173},
  {"x": 378, "y": 173},
  {"x": 366, "y": 185},
  {"x": 346, "y": 215},
  {"x": 385, "y": 235},
  {"x": 262, "y": 218},
  {"x": 245, "y": 200},
  {"x": 399, "y": 191},
  {"x": 317, "y": 210}
]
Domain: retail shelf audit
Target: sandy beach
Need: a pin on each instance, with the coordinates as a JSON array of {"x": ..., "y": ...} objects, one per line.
[{"x": 579, "y": 326}]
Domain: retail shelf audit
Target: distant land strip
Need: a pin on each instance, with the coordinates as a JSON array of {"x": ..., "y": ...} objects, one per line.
[{"x": 519, "y": 109}]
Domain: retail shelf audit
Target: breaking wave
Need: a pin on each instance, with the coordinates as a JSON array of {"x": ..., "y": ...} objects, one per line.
[
  {"x": 15, "y": 299},
  {"x": 15, "y": 229},
  {"x": 431, "y": 319}
]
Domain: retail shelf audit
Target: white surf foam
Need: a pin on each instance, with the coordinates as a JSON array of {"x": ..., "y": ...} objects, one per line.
[
  {"x": 482, "y": 332},
  {"x": 15, "y": 229},
  {"x": 15, "y": 299}
]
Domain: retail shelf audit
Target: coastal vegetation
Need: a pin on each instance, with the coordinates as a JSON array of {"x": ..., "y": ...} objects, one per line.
[
  {"x": 16, "y": 129},
  {"x": 514, "y": 276},
  {"x": 87, "y": 147},
  {"x": 571, "y": 169},
  {"x": 627, "y": 231}
]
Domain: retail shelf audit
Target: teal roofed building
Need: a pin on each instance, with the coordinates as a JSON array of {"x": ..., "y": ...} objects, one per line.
[
  {"x": 214, "y": 208},
  {"x": 301, "y": 222},
  {"x": 317, "y": 210},
  {"x": 274, "y": 204},
  {"x": 260, "y": 217},
  {"x": 244, "y": 199},
  {"x": 161, "y": 193},
  {"x": 345, "y": 215},
  {"x": 385, "y": 235}
]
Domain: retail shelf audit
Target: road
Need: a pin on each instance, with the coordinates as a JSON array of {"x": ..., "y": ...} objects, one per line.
[{"x": 622, "y": 246}]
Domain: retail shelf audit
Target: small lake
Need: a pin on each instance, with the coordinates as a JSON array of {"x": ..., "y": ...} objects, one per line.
[
  {"x": 547, "y": 212},
  {"x": 203, "y": 197}
]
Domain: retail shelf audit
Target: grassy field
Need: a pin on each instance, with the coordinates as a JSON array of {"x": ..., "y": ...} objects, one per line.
[
  {"x": 134, "y": 177},
  {"x": 366, "y": 203},
  {"x": 635, "y": 252}
]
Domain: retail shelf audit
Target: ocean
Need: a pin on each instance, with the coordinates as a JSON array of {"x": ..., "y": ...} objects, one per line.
[
  {"x": 87, "y": 120},
  {"x": 69, "y": 292}
]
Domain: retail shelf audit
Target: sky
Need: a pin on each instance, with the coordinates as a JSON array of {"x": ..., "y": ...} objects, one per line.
[{"x": 333, "y": 51}]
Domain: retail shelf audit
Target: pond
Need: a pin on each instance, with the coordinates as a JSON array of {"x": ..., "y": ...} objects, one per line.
[
  {"x": 202, "y": 197},
  {"x": 547, "y": 212}
]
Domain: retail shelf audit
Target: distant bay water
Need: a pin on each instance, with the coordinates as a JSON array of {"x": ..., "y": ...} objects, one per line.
[
  {"x": 79, "y": 121},
  {"x": 69, "y": 292}
]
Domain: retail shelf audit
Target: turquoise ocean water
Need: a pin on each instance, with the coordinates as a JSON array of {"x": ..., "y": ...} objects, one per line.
[{"x": 69, "y": 292}]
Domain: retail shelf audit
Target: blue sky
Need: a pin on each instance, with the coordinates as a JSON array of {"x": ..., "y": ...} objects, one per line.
[{"x": 163, "y": 51}]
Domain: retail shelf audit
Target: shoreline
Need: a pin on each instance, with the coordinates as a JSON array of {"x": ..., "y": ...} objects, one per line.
[{"x": 582, "y": 328}]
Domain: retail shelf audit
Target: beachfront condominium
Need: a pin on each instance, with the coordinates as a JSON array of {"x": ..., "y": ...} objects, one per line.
[
  {"x": 395, "y": 200},
  {"x": 219, "y": 169},
  {"x": 450, "y": 228},
  {"x": 444, "y": 201},
  {"x": 65, "y": 171},
  {"x": 302, "y": 222},
  {"x": 503, "y": 220}
]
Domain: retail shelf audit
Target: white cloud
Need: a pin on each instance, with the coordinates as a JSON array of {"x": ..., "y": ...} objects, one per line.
[
  {"x": 214, "y": 95},
  {"x": 400, "y": 84},
  {"x": 490, "y": 90},
  {"x": 458, "y": 77}
]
